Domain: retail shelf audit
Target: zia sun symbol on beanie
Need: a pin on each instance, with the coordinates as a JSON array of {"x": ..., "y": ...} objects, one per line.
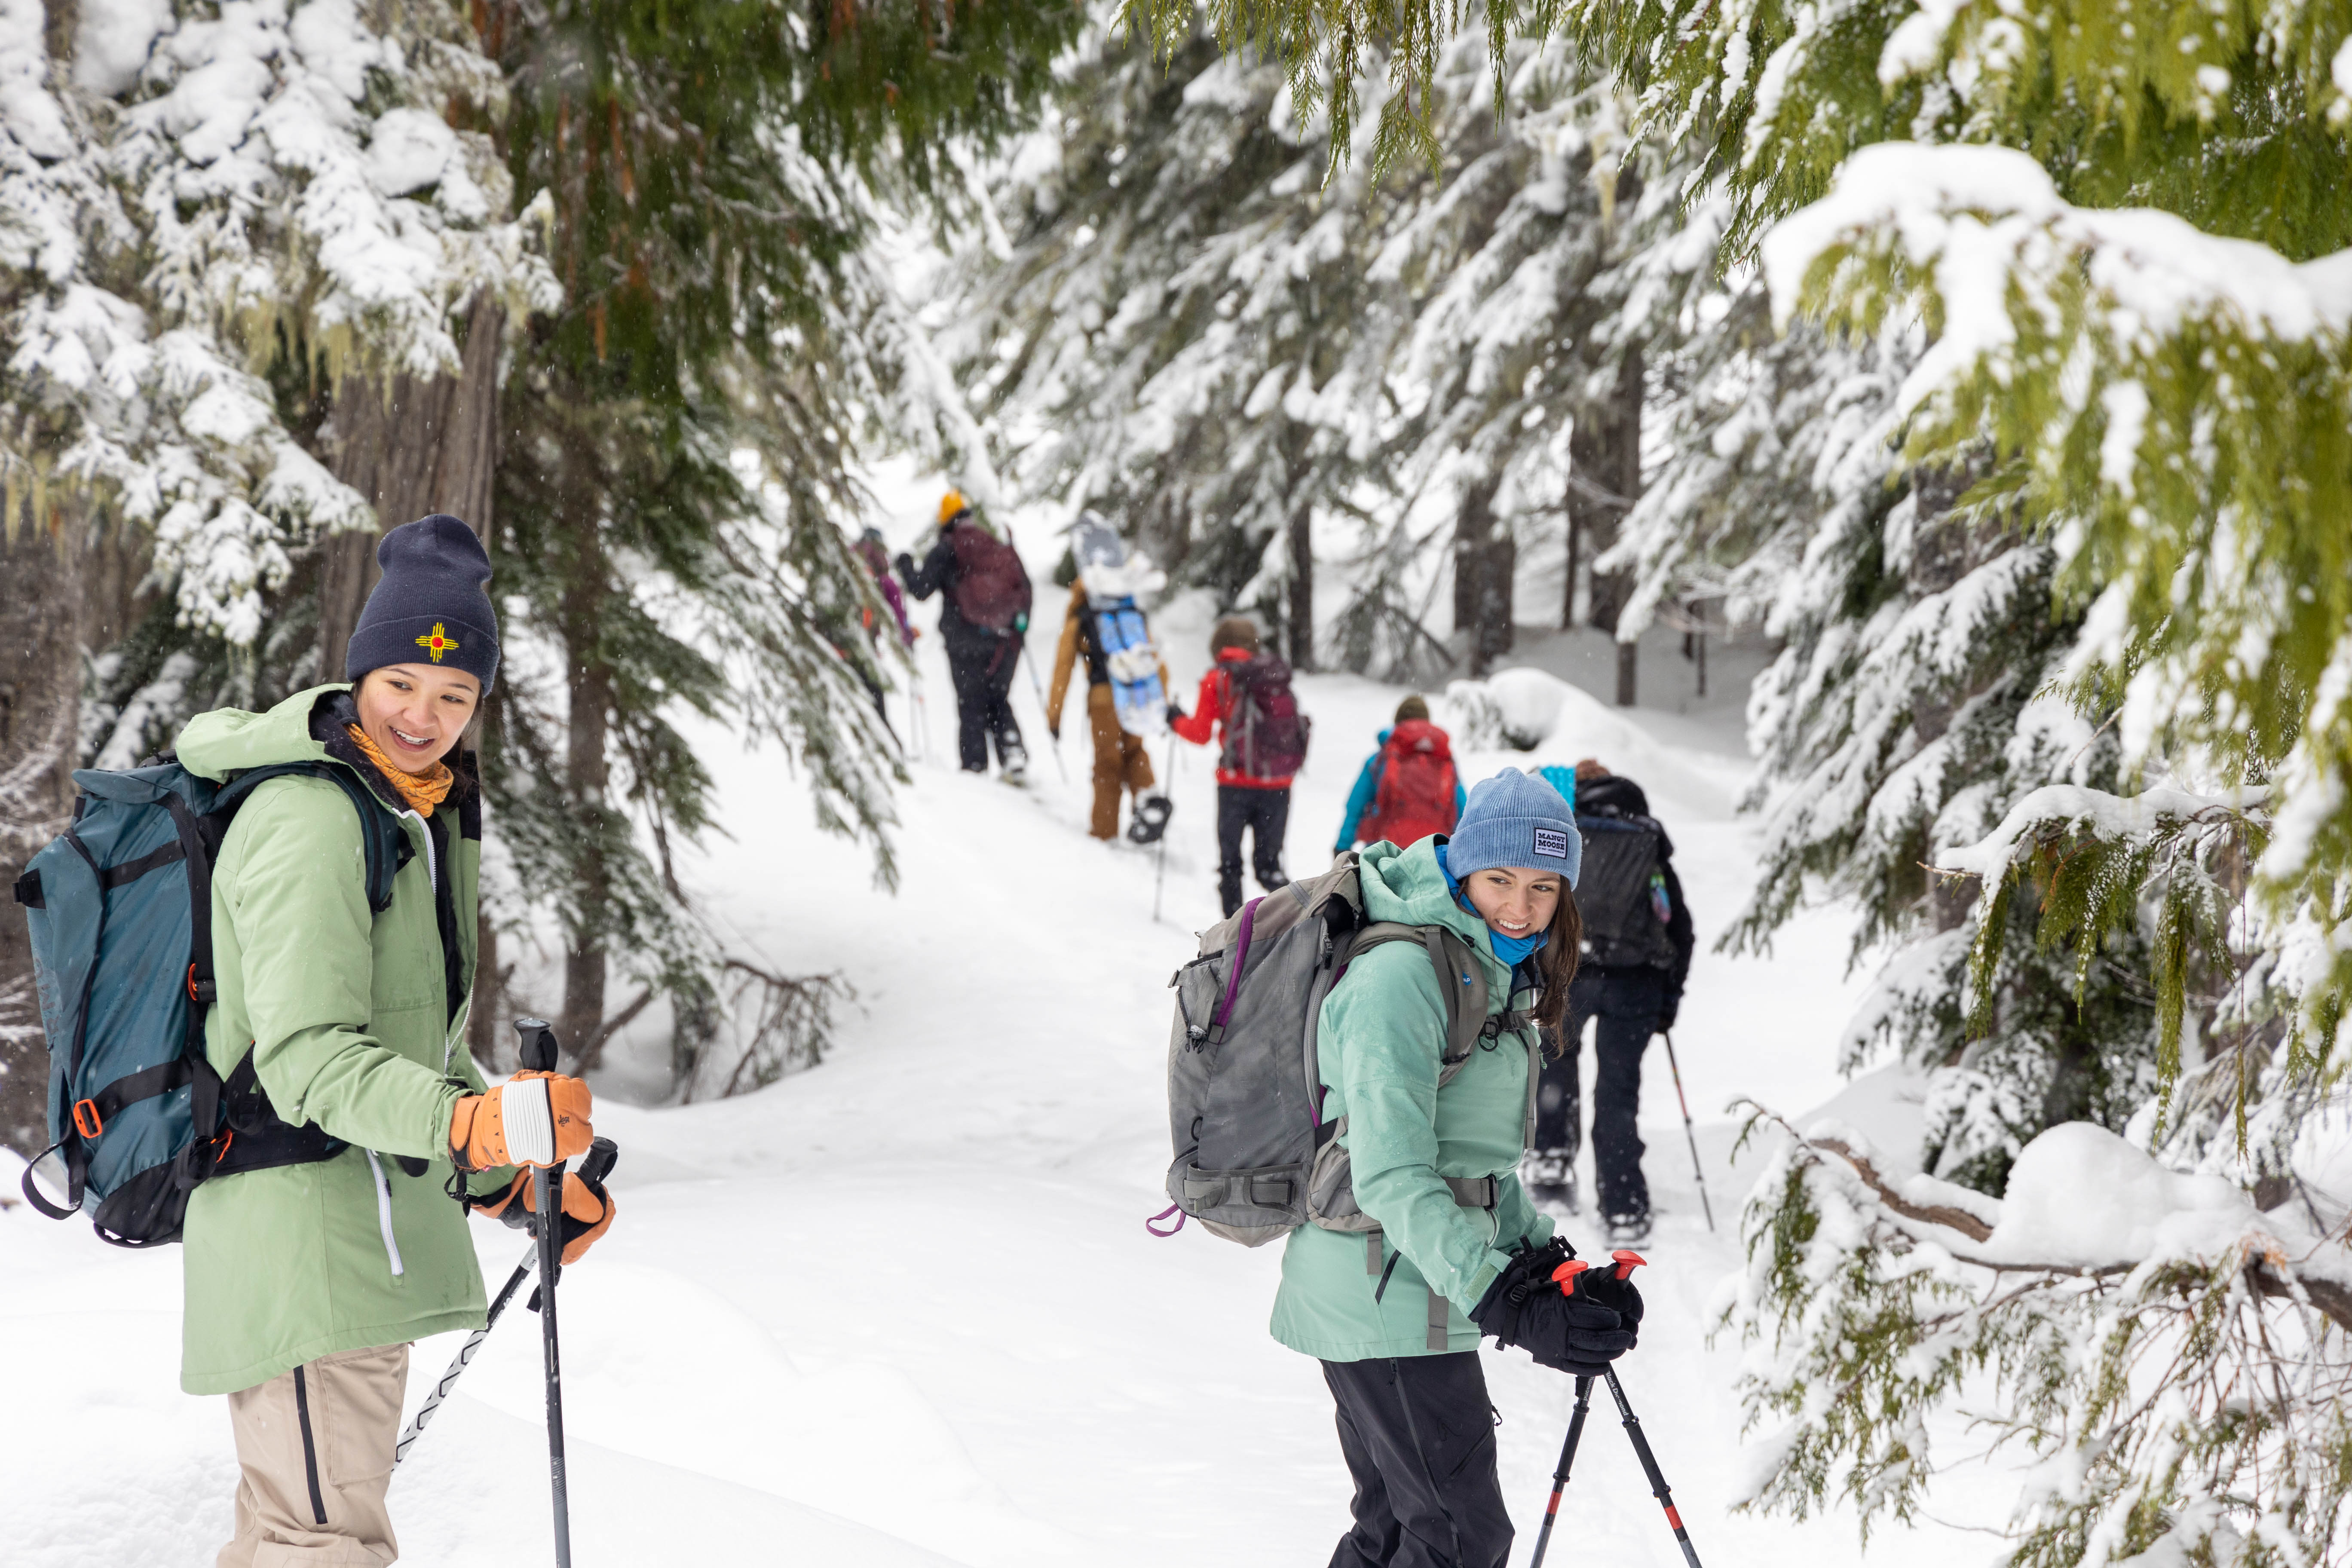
[
  {"x": 1515, "y": 819},
  {"x": 432, "y": 605}
]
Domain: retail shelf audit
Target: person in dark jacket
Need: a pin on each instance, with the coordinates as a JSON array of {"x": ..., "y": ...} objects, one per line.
[
  {"x": 1628, "y": 1003},
  {"x": 981, "y": 658}
]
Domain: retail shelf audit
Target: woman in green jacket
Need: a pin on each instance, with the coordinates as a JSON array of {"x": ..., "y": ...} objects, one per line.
[
  {"x": 339, "y": 1033},
  {"x": 1460, "y": 1251}
]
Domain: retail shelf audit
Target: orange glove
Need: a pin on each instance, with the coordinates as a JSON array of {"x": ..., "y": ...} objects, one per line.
[
  {"x": 532, "y": 1119},
  {"x": 588, "y": 1211}
]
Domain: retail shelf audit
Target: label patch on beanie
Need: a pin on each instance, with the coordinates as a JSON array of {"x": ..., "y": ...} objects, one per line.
[
  {"x": 441, "y": 642},
  {"x": 1551, "y": 841}
]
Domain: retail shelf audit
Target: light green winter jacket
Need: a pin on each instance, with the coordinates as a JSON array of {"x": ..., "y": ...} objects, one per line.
[
  {"x": 1382, "y": 1033},
  {"x": 347, "y": 1015}
]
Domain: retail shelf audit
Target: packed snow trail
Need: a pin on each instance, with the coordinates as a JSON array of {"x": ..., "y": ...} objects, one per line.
[{"x": 901, "y": 1309}]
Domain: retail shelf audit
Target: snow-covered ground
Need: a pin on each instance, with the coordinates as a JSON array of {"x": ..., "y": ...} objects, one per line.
[{"x": 902, "y": 1308}]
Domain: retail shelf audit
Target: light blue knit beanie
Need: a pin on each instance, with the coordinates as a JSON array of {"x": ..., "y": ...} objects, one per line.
[{"x": 1514, "y": 819}]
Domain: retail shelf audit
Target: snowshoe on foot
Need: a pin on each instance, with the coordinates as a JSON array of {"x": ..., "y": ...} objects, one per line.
[
  {"x": 1628, "y": 1229},
  {"x": 1549, "y": 1177},
  {"x": 1151, "y": 819}
]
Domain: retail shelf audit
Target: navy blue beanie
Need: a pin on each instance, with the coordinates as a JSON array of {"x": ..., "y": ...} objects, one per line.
[
  {"x": 1513, "y": 819},
  {"x": 432, "y": 606}
]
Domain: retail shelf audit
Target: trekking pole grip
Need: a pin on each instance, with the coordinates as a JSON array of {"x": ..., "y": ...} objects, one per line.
[{"x": 538, "y": 1050}]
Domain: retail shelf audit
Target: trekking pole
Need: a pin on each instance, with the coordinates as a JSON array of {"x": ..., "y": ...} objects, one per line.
[
  {"x": 1560, "y": 1475},
  {"x": 1038, "y": 687},
  {"x": 595, "y": 1168},
  {"x": 538, "y": 1054},
  {"x": 1697, "y": 1170},
  {"x": 1160, "y": 876},
  {"x": 1650, "y": 1468}
]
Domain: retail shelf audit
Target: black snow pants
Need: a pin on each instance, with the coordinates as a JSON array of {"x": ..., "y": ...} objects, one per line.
[
  {"x": 1265, "y": 813},
  {"x": 1627, "y": 1002},
  {"x": 1419, "y": 1436},
  {"x": 981, "y": 667}
]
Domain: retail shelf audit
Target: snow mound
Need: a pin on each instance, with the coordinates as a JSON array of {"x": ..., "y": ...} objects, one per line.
[
  {"x": 2079, "y": 1195},
  {"x": 1518, "y": 709}
]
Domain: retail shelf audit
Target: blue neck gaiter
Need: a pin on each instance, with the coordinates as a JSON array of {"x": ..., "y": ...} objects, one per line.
[{"x": 1512, "y": 950}]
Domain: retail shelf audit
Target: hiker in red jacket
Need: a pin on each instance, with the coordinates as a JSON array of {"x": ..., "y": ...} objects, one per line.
[
  {"x": 1262, "y": 737},
  {"x": 1408, "y": 789}
]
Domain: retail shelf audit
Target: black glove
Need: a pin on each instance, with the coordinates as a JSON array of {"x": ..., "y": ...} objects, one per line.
[
  {"x": 1570, "y": 1333},
  {"x": 905, "y": 563},
  {"x": 1668, "y": 1012},
  {"x": 1600, "y": 1284},
  {"x": 1174, "y": 713}
]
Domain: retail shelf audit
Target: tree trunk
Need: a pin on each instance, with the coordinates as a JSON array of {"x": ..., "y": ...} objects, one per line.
[
  {"x": 1605, "y": 463},
  {"x": 1485, "y": 559},
  {"x": 587, "y": 770},
  {"x": 419, "y": 447},
  {"x": 1302, "y": 589},
  {"x": 1575, "y": 558},
  {"x": 40, "y": 712}
]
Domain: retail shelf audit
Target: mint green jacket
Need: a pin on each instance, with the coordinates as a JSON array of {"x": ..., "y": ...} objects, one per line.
[
  {"x": 347, "y": 1017},
  {"x": 1382, "y": 1033}
]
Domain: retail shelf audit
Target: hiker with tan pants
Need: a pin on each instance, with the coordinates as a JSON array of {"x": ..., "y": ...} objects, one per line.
[{"x": 307, "y": 1280}]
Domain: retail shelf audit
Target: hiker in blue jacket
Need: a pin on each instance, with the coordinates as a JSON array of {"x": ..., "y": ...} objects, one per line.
[{"x": 1408, "y": 788}]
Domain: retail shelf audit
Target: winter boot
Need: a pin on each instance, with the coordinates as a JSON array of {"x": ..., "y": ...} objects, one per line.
[
  {"x": 1013, "y": 758},
  {"x": 1550, "y": 1176}
]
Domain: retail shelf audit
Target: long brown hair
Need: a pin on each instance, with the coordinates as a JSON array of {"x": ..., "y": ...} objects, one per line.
[{"x": 1563, "y": 945}]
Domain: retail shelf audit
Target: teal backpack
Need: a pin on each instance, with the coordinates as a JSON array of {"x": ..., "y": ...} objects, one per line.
[{"x": 121, "y": 907}]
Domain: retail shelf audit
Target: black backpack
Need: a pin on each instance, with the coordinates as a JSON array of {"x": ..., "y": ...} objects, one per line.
[{"x": 1621, "y": 892}]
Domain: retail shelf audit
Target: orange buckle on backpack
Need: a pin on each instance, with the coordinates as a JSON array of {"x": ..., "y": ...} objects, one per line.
[
  {"x": 192, "y": 985},
  {"x": 94, "y": 1125}
]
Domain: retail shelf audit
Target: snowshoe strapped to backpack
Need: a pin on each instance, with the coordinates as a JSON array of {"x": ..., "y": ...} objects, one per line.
[
  {"x": 1265, "y": 734},
  {"x": 1254, "y": 1157},
  {"x": 1621, "y": 892},
  {"x": 991, "y": 587},
  {"x": 121, "y": 909}
]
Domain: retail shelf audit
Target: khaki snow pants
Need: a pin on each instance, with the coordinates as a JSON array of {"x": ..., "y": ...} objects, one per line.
[
  {"x": 315, "y": 1445},
  {"x": 1119, "y": 760}
]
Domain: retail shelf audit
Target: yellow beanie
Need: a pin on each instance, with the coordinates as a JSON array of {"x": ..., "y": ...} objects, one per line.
[{"x": 952, "y": 504}]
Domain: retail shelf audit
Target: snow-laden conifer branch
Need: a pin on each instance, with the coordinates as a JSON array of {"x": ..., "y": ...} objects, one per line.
[{"x": 2172, "y": 1360}]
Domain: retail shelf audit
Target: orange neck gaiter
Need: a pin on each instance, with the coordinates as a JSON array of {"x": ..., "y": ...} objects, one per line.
[{"x": 423, "y": 792}]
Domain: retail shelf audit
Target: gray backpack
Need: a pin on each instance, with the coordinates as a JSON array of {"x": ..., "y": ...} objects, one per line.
[{"x": 1254, "y": 1158}]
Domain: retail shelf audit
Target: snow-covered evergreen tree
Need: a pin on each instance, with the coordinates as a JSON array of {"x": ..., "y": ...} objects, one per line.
[
  {"x": 2063, "y": 715},
  {"x": 1188, "y": 326}
]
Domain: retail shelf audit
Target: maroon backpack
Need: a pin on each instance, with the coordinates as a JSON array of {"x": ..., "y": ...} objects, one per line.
[
  {"x": 1265, "y": 734},
  {"x": 991, "y": 587}
]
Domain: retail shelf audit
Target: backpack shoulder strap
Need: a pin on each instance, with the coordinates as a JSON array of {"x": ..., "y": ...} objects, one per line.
[
  {"x": 380, "y": 833},
  {"x": 1459, "y": 980}
]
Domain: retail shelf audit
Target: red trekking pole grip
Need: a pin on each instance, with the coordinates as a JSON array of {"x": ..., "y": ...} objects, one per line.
[
  {"x": 1565, "y": 1275},
  {"x": 1627, "y": 1262}
]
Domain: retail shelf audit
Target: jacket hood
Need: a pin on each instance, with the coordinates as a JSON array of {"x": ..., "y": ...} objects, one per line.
[
  {"x": 230, "y": 740},
  {"x": 1409, "y": 886},
  {"x": 308, "y": 727}
]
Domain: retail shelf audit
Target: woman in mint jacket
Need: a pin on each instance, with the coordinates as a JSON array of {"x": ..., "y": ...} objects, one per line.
[{"x": 1461, "y": 1250}]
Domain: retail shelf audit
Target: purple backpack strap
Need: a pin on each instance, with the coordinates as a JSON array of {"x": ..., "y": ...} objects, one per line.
[{"x": 1233, "y": 979}]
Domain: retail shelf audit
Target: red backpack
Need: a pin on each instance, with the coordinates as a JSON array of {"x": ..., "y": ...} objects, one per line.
[
  {"x": 1415, "y": 797},
  {"x": 991, "y": 587}
]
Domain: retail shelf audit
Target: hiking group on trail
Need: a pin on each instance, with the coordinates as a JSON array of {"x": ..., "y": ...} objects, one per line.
[{"x": 288, "y": 1091}]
